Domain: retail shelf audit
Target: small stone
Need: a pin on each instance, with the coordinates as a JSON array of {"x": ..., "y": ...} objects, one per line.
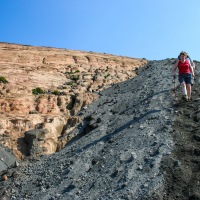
[
  {"x": 4, "y": 177},
  {"x": 99, "y": 120},
  {"x": 140, "y": 167},
  {"x": 16, "y": 163},
  {"x": 141, "y": 126},
  {"x": 17, "y": 184},
  {"x": 197, "y": 138},
  {"x": 146, "y": 185}
]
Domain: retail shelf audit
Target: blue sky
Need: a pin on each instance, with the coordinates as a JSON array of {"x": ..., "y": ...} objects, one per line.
[{"x": 151, "y": 29}]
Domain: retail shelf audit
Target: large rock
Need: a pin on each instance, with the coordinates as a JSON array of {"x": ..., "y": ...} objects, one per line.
[
  {"x": 33, "y": 138},
  {"x": 7, "y": 160}
]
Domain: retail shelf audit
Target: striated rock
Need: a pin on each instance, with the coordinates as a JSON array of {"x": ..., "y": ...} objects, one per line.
[{"x": 69, "y": 80}]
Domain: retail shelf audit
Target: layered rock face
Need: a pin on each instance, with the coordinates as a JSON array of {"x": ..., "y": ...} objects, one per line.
[{"x": 69, "y": 80}]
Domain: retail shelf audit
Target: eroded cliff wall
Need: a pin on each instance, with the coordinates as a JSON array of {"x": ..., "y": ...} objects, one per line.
[{"x": 70, "y": 80}]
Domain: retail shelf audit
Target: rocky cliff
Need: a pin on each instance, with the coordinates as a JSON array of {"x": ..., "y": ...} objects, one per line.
[
  {"x": 135, "y": 142},
  {"x": 44, "y": 88}
]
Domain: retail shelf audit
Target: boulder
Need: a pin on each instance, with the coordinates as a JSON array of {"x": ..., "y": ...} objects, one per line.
[
  {"x": 33, "y": 139},
  {"x": 7, "y": 160}
]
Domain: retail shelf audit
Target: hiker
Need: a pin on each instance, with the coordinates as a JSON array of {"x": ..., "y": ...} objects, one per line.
[
  {"x": 185, "y": 75},
  {"x": 191, "y": 63}
]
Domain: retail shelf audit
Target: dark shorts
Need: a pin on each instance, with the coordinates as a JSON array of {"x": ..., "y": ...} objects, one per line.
[{"x": 187, "y": 78}]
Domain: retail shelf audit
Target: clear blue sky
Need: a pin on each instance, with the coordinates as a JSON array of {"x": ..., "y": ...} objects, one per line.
[{"x": 151, "y": 29}]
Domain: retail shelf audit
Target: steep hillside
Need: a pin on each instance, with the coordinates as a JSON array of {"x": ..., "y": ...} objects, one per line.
[
  {"x": 134, "y": 142},
  {"x": 66, "y": 82}
]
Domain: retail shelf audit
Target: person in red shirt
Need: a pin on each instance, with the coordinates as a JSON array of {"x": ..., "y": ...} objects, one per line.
[
  {"x": 185, "y": 75},
  {"x": 191, "y": 63}
]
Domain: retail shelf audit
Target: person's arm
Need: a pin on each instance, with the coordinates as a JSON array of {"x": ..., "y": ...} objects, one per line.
[
  {"x": 192, "y": 70},
  {"x": 189, "y": 60},
  {"x": 193, "y": 64}
]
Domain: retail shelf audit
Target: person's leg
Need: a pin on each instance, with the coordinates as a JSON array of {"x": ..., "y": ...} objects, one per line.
[
  {"x": 183, "y": 86},
  {"x": 188, "y": 81},
  {"x": 184, "y": 91},
  {"x": 188, "y": 86}
]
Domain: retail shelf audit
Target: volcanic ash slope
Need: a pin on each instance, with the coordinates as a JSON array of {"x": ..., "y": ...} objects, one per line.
[{"x": 119, "y": 149}]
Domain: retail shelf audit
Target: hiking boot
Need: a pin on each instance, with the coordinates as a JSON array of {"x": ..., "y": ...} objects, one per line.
[
  {"x": 185, "y": 97},
  {"x": 189, "y": 98}
]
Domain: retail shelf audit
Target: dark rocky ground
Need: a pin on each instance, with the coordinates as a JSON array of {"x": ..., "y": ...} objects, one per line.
[{"x": 135, "y": 142}]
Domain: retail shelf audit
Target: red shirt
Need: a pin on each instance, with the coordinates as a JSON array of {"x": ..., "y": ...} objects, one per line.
[{"x": 184, "y": 67}]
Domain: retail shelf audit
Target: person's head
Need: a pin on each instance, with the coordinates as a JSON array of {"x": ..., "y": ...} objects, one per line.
[{"x": 183, "y": 54}]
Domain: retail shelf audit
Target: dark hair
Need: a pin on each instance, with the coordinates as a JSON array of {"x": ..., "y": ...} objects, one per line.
[{"x": 183, "y": 53}]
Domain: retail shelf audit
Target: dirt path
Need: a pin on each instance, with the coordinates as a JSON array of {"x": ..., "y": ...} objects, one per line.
[{"x": 183, "y": 166}]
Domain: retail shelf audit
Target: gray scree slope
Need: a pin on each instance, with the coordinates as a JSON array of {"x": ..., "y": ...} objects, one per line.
[{"x": 130, "y": 145}]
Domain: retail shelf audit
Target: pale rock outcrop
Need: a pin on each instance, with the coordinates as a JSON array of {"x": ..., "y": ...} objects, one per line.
[{"x": 70, "y": 81}]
